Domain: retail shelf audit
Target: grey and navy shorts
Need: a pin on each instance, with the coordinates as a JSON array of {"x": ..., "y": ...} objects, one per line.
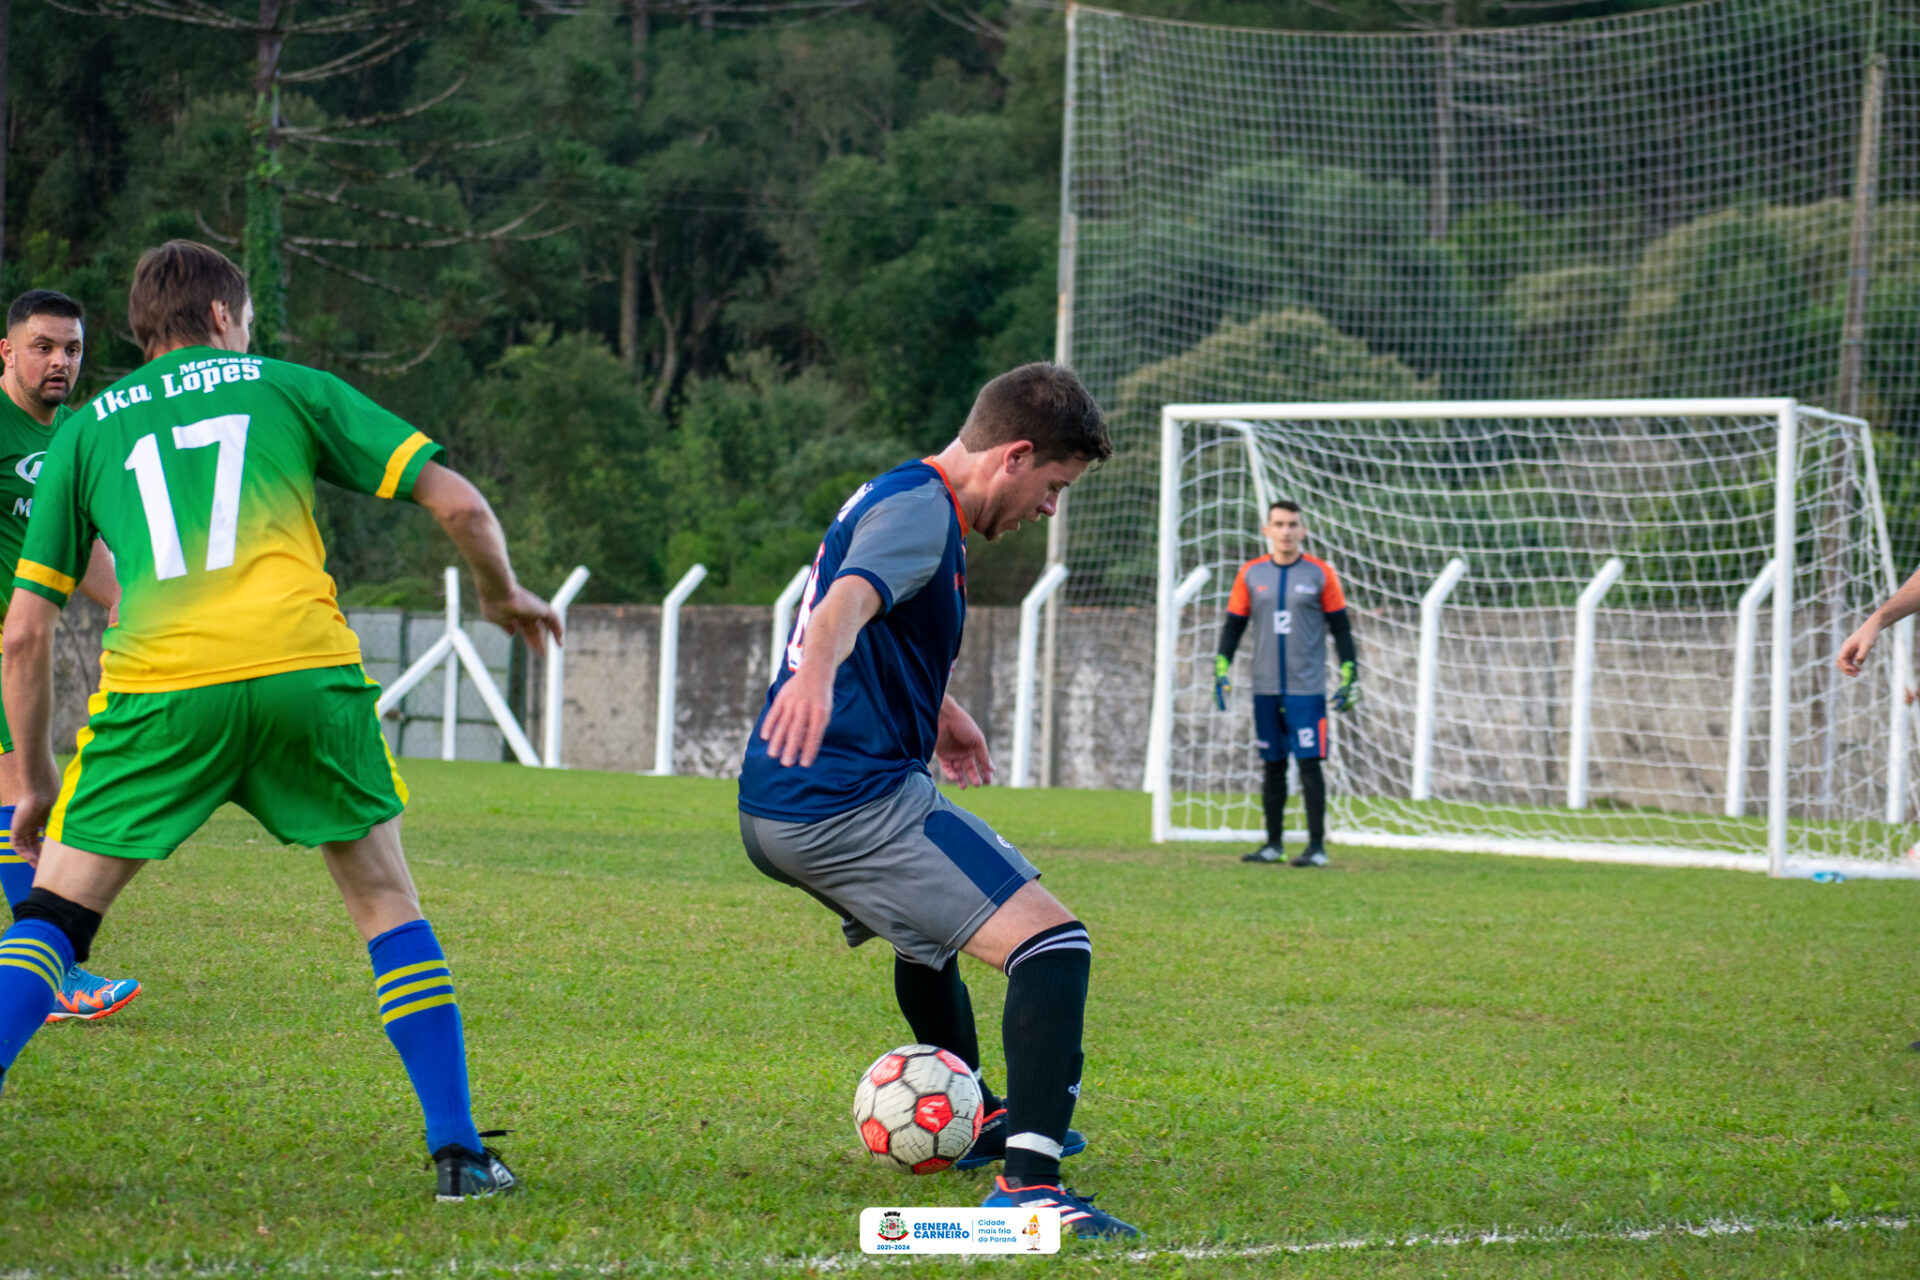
[{"x": 911, "y": 867}]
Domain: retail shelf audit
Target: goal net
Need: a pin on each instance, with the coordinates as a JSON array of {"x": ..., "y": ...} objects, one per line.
[{"x": 1598, "y": 629}]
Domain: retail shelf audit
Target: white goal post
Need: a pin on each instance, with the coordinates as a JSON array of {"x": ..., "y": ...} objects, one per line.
[{"x": 1585, "y": 628}]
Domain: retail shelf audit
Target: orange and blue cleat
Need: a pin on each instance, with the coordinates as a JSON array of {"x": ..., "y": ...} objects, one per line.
[{"x": 90, "y": 998}]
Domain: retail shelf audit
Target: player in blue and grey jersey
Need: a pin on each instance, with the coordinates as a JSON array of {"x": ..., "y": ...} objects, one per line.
[
  {"x": 1293, "y": 602},
  {"x": 836, "y": 797}
]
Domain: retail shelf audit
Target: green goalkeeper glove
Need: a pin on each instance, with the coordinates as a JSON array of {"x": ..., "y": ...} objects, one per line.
[
  {"x": 1222, "y": 684},
  {"x": 1347, "y": 696}
]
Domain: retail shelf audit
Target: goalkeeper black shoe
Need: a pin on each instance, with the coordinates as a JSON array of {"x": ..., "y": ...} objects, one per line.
[
  {"x": 461, "y": 1174},
  {"x": 1311, "y": 856},
  {"x": 1265, "y": 853},
  {"x": 991, "y": 1145}
]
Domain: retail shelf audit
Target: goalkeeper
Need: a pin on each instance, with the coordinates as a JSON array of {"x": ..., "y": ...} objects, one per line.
[{"x": 1293, "y": 602}]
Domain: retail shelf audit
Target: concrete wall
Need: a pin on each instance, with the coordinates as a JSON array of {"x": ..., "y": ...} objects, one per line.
[
  {"x": 1662, "y": 694},
  {"x": 612, "y": 688}
]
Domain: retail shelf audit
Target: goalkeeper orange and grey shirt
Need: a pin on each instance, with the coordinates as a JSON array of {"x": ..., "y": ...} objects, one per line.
[
  {"x": 1289, "y": 608},
  {"x": 198, "y": 471}
]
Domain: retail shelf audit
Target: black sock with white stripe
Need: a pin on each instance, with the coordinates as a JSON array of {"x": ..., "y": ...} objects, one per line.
[
  {"x": 1046, "y": 1008},
  {"x": 939, "y": 1009}
]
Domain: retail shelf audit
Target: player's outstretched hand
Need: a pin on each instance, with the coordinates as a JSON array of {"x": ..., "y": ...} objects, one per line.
[
  {"x": 797, "y": 721},
  {"x": 961, "y": 748},
  {"x": 524, "y": 614},
  {"x": 30, "y": 813},
  {"x": 1856, "y": 648}
]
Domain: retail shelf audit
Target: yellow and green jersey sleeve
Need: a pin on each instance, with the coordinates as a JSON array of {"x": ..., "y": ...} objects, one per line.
[{"x": 198, "y": 471}]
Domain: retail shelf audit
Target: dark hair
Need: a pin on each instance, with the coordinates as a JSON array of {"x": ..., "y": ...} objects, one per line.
[
  {"x": 43, "y": 302},
  {"x": 1045, "y": 404},
  {"x": 1282, "y": 504},
  {"x": 174, "y": 289}
]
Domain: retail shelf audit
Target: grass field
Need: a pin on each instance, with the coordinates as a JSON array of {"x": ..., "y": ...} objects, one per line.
[{"x": 1586, "y": 1059}]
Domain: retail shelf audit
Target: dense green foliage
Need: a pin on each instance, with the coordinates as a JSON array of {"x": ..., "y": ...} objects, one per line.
[
  {"x": 665, "y": 278},
  {"x": 1405, "y": 1044}
]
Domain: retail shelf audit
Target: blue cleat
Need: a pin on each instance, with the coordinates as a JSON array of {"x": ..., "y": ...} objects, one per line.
[
  {"x": 90, "y": 998},
  {"x": 1076, "y": 1211},
  {"x": 991, "y": 1145}
]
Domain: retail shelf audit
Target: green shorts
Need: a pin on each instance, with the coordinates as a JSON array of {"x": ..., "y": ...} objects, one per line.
[{"x": 301, "y": 751}]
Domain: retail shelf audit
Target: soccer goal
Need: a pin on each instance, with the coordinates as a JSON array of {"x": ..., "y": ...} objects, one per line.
[{"x": 1595, "y": 629}]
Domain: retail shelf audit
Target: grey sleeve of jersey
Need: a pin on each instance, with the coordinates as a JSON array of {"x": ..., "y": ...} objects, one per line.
[{"x": 899, "y": 542}]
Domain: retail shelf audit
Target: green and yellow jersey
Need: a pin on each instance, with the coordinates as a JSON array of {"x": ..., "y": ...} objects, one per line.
[
  {"x": 23, "y": 445},
  {"x": 198, "y": 469}
]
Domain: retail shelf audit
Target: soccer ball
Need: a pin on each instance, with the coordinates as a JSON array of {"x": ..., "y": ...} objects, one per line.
[{"x": 917, "y": 1109}]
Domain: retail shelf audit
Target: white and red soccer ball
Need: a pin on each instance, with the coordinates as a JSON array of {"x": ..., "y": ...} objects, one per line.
[{"x": 917, "y": 1109}]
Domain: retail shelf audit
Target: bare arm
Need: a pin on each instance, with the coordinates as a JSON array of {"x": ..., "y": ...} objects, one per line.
[
  {"x": 1903, "y": 603},
  {"x": 26, "y": 683},
  {"x": 99, "y": 583},
  {"x": 797, "y": 721},
  {"x": 961, "y": 748},
  {"x": 463, "y": 513}
]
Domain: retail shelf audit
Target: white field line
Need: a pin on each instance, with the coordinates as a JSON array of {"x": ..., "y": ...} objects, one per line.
[{"x": 1712, "y": 1228}]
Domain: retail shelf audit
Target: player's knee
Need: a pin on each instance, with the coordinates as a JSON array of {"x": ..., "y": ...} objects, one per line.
[
  {"x": 77, "y": 922},
  {"x": 1070, "y": 937},
  {"x": 1309, "y": 770}
]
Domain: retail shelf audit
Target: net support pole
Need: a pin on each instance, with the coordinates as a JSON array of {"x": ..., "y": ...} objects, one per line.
[
  {"x": 450, "y": 676},
  {"x": 1585, "y": 643},
  {"x": 1426, "y": 690},
  {"x": 556, "y": 690},
  {"x": 1746, "y": 640},
  {"x": 670, "y": 668},
  {"x": 1030, "y": 607},
  {"x": 1062, "y": 355},
  {"x": 1897, "y": 720},
  {"x": 783, "y": 607},
  {"x": 1780, "y": 730}
]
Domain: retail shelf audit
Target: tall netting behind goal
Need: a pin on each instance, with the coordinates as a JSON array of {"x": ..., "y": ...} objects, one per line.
[
  {"x": 1569, "y": 628},
  {"x": 1653, "y": 204}
]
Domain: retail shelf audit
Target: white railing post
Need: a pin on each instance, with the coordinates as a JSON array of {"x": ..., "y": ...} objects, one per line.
[
  {"x": 1160, "y": 733},
  {"x": 1897, "y": 720},
  {"x": 1746, "y": 638},
  {"x": 670, "y": 668},
  {"x": 557, "y": 670},
  {"x": 450, "y": 678},
  {"x": 1585, "y": 642},
  {"x": 1425, "y": 692},
  {"x": 783, "y": 608},
  {"x": 456, "y": 650},
  {"x": 1786, "y": 478},
  {"x": 1030, "y": 607}
]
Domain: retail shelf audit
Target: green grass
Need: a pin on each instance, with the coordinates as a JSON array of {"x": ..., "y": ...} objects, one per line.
[
  {"x": 1604, "y": 823},
  {"x": 1403, "y": 1044}
]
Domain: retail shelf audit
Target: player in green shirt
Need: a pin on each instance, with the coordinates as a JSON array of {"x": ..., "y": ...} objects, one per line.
[
  {"x": 42, "y": 350},
  {"x": 231, "y": 674}
]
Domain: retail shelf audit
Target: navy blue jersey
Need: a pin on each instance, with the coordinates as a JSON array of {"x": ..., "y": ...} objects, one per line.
[{"x": 904, "y": 534}]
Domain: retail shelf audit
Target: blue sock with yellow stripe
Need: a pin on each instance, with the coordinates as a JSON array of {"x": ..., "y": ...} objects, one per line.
[
  {"x": 16, "y": 877},
  {"x": 415, "y": 989},
  {"x": 34, "y": 958}
]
